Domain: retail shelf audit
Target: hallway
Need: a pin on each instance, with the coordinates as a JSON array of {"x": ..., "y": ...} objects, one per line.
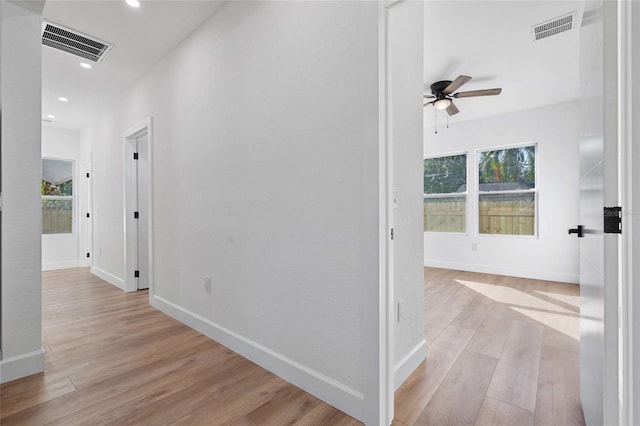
[{"x": 111, "y": 358}]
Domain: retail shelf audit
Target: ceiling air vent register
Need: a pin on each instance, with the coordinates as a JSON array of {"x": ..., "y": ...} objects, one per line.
[
  {"x": 554, "y": 26},
  {"x": 74, "y": 42}
]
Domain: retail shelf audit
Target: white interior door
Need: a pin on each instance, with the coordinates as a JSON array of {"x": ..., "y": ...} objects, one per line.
[
  {"x": 142, "y": 202},
  {"x": 598, "y": 188},
  {"x": 137, "y": 211}
]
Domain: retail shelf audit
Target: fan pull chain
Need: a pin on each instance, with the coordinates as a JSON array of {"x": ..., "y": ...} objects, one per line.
[
  {"x": 447, "y": 120},
  {"x": 435, "y": 115}
]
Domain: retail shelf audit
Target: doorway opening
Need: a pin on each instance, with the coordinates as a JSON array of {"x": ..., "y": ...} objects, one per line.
[
  {"x": 470, "y": 249},
  {"x": 137, "y": 204}
]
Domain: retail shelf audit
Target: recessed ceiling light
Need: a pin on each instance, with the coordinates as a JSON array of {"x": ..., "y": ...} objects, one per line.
[
  {"x": 85, "y": 65},
  {"x": 51, "y": 116},
  {"x": 133, "y": 3},
  {"x": 63, "y": 99}
]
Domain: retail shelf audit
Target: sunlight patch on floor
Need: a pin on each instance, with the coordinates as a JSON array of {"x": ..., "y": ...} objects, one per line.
[
  {"x": 565, "y": 298},
  {"x": 569, "y": 325},
  {"x": 512, "y": 296},
  {"x": 560, "y": 315}
]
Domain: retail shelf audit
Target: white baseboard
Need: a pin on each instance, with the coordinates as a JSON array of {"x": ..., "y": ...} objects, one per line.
[
  {"x": 110, "y": 278},
  {"x": 332, "y": 392},
  {"x": 20, "y": 366},
  {"x": 510, "y": 272},
  {"x": 409, "y": 363},
  {"x": 51, "y": 266}
]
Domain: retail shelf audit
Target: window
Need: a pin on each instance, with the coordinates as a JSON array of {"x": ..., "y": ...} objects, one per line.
[
  {"x": 57, "y": 196},
  {"x": 445, "y": 194},
  {"x": 507, "y": 191}
]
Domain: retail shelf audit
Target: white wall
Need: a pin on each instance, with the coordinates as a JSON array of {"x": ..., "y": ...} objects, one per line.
[
  {"x": 265, "y": 176},
  {"x": 62, "y": 251},
  {"x": 553, "y": 254},
  {"x": 20, "y": 86}
]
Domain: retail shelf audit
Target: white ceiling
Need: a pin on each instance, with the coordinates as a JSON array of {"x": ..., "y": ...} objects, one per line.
[
  {"x": 141, "y": 37},
  {"x": 492, "y": 42},
  {"x": 489, "y": 41}
]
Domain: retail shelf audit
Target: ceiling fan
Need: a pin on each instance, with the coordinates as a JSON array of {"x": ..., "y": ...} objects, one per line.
[{"x": 442, "y": 92}]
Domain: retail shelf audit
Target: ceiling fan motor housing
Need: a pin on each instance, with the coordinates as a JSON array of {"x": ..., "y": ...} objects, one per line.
[{"x": 438, "y": 87}]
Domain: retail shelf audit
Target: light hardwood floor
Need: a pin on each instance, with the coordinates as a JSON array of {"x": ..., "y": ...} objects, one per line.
[{"x": 502, "y": 351}]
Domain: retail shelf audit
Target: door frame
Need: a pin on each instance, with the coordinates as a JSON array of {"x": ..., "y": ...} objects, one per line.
[
  {"x": 85, "y": 237},
  {"x": 629, "y": 176},
  {"x": 385, "y": 400},
  {"x": 386, "y": 314},
  {"x": 130, "y": 232}
]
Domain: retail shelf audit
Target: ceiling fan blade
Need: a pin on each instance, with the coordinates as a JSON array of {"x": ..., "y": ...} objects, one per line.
[
  {"x": 428, "y": 96},
  {"x": 456, "y": 84},
  {"x": 472, "y": 93},
  {"x": 452, "y": 109},
  {"x": 428, "y": 103}
]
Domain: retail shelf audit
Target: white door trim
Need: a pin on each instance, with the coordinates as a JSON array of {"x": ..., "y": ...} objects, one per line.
[
  {"x": 385, "y": 294},
  {"x": 85, "y": 243},
  {"x": 388, "y": 14},
  {"x": 131, "y": 249},
  {"x": 628, "y": 268},
  {"x": 386, "y": 312}
]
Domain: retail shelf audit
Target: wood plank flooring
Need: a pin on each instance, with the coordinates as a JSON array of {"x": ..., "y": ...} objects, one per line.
[
  {"x": 113, "y": 359},
  {"x": 502, "y": 351}
]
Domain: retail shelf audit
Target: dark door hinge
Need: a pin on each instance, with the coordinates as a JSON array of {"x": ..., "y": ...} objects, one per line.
[
  {"x": 88, "y": 175},
  {"x": 613, "y": 220},
  {"x": 136, "y": 274},
  {"x": 135, "y": 215},
  {"x": 88, "y": 215},
  {"x": 392, "y": 233},
  {"x": 88, "y": 254},
  {"x": 135, "y": 155}
]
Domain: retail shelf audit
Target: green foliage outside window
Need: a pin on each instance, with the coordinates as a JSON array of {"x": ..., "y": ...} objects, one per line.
[
  {"x": 508, "y": 165},
  {"x": 65, "y": 189},
  {"x": 445, "y": 175}
]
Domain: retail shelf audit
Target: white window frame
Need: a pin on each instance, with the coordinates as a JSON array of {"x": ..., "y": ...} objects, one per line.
[
  {"x": 535, "y": 191},
  {"x": 464, "y": 194},
  {"x": 64, "y": 197}
]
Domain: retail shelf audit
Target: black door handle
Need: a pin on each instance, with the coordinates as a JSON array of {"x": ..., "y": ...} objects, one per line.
[{"x": 577, "y": 230}]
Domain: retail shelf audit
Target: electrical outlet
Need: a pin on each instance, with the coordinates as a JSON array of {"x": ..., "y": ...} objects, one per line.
[{"x": 207, "y": 284}]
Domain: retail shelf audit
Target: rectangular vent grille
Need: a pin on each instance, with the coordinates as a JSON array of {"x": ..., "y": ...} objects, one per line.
[
  {"x": 74, "y": 42},
  {"x": 554, "y": 26}
]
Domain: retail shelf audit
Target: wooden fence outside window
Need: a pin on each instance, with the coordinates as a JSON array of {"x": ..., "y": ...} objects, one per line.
[{"x": 507, "y": 215}]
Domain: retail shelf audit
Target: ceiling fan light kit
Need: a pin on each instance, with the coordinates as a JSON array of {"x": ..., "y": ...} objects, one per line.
[
  {"x": 442, "y": 103},
  {"x": 443, "y": 93}
]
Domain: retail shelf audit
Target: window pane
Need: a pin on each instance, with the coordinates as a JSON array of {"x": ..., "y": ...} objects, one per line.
[
  {"x": 57, "y": 177},
  {"x": 507, "y": 169},
  {"x": 57, "y": 181},
  {"x": 510, "y": 214},
  {"x": 445, "y": 214},
  {"x": 445, "y": 175},
  {"x": 57, "y": 216}
]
